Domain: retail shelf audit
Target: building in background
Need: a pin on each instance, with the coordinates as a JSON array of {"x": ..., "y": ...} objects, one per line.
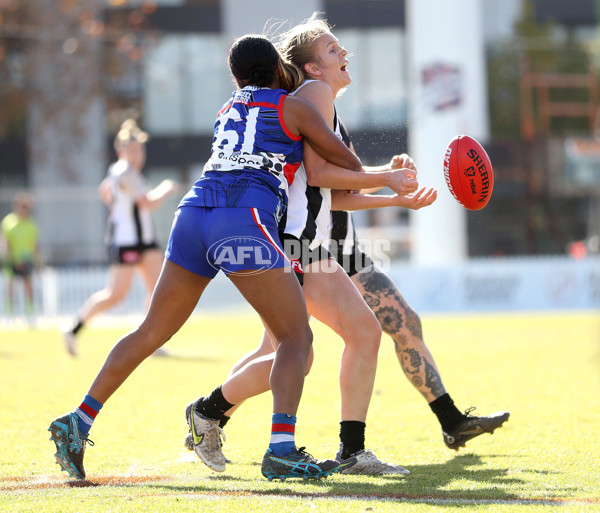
[{"x": 70, "y": 72}]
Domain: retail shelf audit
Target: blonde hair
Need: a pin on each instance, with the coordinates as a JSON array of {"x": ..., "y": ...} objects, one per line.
[
  {"x": 296, "y": 46},
  {"x": 290, "y": 76},
  {"x": 129, "y": 131}
]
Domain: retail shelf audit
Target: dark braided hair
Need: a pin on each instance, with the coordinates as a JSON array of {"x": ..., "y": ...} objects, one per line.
[{"x": 253, "y": 60}]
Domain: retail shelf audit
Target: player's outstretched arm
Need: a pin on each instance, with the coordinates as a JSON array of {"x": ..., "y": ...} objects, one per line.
[
  {"x": 346, "y": 200},
  {"x": 396, "y": 162},
  {"x": 321, "y": 171},
  {"x": 154, "y": 198},
  {"x": 309, "y": 122}
]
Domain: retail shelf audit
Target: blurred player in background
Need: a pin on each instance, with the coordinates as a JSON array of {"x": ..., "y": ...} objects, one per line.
[
  {"x": 20, "y": 235},
  {"x": 131, "y": 235}
]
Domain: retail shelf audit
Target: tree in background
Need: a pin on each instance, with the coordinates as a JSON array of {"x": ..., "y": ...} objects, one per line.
[
  {"x": 544, "y": 219},
  {"x": 60, "y": 67},
  {"x": 540, "y": 47}
]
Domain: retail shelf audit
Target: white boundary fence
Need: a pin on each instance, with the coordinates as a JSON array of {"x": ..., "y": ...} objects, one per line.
[
  {"x": 480, "y": 285},
  {"x": 60, "y": 293},
  {"x": 503, "y": 284}
]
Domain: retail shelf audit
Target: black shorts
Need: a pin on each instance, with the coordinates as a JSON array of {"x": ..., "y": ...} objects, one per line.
[
  {"x": 129, "y": 254},
  {"x": 299, "y": 252},
  {"x": 22, "y": 269},
  {"x": 355, "y": 262}
]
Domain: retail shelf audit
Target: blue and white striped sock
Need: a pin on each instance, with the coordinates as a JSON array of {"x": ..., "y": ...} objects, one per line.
[{"x": 282, "y": 434}]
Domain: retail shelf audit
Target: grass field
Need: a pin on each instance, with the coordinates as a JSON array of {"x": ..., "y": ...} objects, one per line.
[{"x": 543, "y": 368}]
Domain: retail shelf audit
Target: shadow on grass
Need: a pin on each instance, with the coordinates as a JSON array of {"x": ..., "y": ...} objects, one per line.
[
  {"x": 464, "y": 479},
  {"x": 426, "y": 483}
]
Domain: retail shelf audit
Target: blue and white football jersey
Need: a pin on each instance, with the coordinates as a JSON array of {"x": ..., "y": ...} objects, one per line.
[{"x": 253, "y": 157}]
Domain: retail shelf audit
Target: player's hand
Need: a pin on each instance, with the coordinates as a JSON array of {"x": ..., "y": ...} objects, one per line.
[
  {"x": 403, "y": 181},
  {"x": 421, "y": 198},
  {"x": 105, "y": 192},
  {"x": 170, "y": 186},
  {"x": 403, "y": 160}
]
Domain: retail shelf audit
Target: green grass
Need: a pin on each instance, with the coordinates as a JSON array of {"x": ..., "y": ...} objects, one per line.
[{"x": 544, "y": 368}]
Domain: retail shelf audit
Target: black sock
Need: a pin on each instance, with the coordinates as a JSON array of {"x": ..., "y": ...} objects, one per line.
[
  {"x": 446, "y": 412},
  {"x": 352, "y": 436},
  {"x": 213, "y": 406},
  {"x": 77, "y": 327},
  {"x": 223, "y": 420}
]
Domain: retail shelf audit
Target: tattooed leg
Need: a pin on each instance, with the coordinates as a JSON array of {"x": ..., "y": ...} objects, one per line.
[{"x": 403, "y": 324}]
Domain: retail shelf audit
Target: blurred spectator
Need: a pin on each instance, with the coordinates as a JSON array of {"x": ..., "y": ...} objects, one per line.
[{"x": 20, "y": 235}]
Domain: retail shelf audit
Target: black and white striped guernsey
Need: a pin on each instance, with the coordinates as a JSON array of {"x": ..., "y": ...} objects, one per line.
[
  {"x": 308, "y": 216},
  {"x": 342, "y": 239},
  {"x": 129, "y": 225}
]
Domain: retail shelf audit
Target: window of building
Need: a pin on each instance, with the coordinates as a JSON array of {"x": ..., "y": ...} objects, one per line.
[
  {"x": 186, "y": 83},
  {"x": 378, "y": 94}
]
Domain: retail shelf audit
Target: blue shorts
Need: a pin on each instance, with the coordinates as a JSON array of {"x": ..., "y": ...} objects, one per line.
[{"x": 206, "y": 240}]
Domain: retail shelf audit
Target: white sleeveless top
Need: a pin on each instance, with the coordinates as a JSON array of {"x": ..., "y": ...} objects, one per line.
[{"x": 130, "y": 225}]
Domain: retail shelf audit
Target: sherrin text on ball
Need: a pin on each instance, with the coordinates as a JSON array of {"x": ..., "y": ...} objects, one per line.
[{"x": 468, "y": 172}]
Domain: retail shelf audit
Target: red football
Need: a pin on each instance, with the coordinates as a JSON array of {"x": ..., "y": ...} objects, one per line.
[{"x": 468, "y": 172}]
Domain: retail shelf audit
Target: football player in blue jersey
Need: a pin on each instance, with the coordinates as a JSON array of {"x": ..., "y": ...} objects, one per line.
[
  {"x": 314, "y": 49},
  {"x": 228, "y": 221}
]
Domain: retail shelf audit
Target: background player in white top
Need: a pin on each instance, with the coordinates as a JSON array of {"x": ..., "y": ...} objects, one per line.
[{"x": 131, "y": 236}]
